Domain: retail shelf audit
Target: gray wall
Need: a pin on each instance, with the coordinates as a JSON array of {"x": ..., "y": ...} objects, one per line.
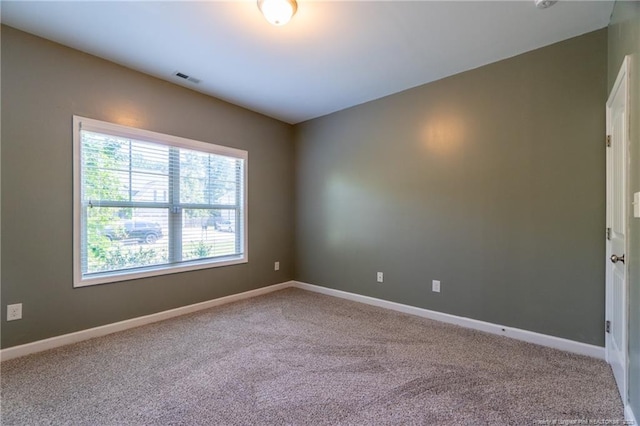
[
  {"x": 43, "y": 86},
  {"x": 491, "y": 181},
  {"x": 624, "y": 39}
]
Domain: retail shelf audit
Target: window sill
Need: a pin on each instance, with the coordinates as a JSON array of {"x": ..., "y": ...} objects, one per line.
[{"x": 153, "y": 271}]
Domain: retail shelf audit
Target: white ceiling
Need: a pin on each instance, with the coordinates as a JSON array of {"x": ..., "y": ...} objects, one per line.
[{"x": 332, "y": 55}]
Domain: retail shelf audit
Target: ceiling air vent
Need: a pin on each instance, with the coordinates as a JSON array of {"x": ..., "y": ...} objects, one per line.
[
  {"x": 186, "y": 77},
  {"x": 544, "y": 4}
]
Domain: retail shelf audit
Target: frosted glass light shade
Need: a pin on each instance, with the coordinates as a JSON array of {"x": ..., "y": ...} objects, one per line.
[{"x": 278, "y": 12}]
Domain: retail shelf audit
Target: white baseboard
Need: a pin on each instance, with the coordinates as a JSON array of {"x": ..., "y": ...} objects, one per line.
[
  {"x": 78, "y": 336},
  {"x": 629, "y": 416},
  {"x": 514, "y": 333}
]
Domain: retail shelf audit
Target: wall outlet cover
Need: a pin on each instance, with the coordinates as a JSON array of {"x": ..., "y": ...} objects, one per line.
[
  {"x": 276, "y": 266},
  {"x": 435, "y": 286},
  {"x": 380, "y": 277},
  {"x": 14, "y": 312}
]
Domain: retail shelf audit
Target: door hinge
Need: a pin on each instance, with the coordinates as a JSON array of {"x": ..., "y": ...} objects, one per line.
[
  {"x": 607, "y": 326},
  {"x": 608, "y": 141},
  {"x": 608, "y": 233}
]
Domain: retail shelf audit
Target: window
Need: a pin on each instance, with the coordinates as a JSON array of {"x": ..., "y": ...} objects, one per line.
[{"x": 149, "y": 204}]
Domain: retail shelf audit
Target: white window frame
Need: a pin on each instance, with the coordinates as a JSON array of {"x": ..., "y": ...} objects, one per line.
[{"x": 88, "y": 124}]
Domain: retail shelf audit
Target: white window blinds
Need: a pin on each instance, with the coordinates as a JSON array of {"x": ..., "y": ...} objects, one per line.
[{"x": 149, "y": 204}]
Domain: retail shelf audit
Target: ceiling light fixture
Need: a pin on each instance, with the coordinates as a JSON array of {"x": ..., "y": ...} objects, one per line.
[{"x": 278, "y": 12}]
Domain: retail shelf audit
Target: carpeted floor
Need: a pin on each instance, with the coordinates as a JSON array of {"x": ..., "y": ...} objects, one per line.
[{"x": 299, "y": 358}]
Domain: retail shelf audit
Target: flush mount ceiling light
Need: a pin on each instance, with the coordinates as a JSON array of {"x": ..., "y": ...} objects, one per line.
[{"x": 278, "y": 12}]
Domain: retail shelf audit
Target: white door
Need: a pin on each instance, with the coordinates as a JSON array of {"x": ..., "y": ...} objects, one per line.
[{"x": 616, "y": 271}]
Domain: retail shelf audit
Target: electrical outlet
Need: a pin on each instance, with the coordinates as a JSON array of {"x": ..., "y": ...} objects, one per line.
[
  {"x": 276, "y": 266},
  {"x": 14, "y": 312},
  {"x": 380, "y": 277},
  {"x": 435, "y": 286}
]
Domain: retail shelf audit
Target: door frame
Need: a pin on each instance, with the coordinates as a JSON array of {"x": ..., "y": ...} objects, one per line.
[{"x": 623, "y": 77}]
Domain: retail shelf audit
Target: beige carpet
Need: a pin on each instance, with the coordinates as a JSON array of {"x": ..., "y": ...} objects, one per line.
[{"x": 300, "y": 358}]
